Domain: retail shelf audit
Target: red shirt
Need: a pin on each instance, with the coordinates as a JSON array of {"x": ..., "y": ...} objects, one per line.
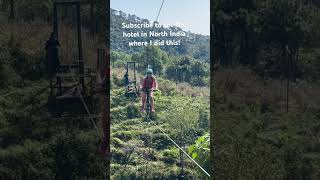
[{"x": 149, "y": 82}]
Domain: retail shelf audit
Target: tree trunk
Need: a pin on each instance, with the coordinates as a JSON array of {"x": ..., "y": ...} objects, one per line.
[
  {"x": 11, "y": 16},
  {"x": 252, "y": 47},
  {"x": 295, "y": 64},
  {"x": 221, "y": 45},
  {"x": 92, "y": 20}
]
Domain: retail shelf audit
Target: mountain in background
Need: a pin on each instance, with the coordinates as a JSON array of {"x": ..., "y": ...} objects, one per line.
[{"x": 194, "y": 45}]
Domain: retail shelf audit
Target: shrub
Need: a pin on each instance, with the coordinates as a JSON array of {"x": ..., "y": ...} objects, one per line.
[
  {"x": 117, "y": 81},
  {"x": 71, "y": 156},
  {"x": 160, "y": 141},
  {"x": 26, "y": 160},
  {"x": 166, "y": 87},
  {"x": 117, "y": 142},
  {"x": 125, "y": 135},
  {"x": 118, "y": 114},
  {"x": 170, "y": 156},
  {"x": 133, "y": 111}
]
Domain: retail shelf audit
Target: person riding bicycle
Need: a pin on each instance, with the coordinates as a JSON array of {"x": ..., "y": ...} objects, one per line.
[{"x": 149, "y": 83}]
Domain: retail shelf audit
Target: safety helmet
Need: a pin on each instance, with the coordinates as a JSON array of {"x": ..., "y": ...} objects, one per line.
[{"x": 149, "y": 71}]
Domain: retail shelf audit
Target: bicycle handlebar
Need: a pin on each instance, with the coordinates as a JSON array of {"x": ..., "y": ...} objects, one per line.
[{"x": 148, "y": 90}]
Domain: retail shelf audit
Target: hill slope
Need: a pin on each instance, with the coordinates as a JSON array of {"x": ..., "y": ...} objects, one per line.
[
  {"x": 195, "y": 45},
  {"x": 139, "y": 148}
]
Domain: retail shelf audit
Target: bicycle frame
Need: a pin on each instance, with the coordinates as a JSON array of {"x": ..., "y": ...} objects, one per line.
[{"x": 148, "y": 103}]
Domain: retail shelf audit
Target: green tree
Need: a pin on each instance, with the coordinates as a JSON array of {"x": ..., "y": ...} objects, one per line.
[
  {"x": 30, "y": 9},
  {"x": 187, "y": 69},
  {"x": 199, "y": 70},
  {"x": 151, "y": 56}
]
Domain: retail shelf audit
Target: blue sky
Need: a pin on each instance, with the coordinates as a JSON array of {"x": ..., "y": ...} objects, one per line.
[{"x": 195, "y": 13}]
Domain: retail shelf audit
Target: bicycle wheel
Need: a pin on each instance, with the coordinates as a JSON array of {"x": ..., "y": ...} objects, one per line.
[{"x": 148, "y": 104}]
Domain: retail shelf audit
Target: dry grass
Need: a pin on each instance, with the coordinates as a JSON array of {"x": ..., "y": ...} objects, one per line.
[
  {"x": 193, "y": 91},
  {"x": 32, "y": 37},
  {"x": 243, "y": 86},
  {"x": 183, "y": 88}
]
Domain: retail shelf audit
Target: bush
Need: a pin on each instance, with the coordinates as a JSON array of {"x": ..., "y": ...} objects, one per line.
[
  {"x": 117, "y": 142},
  {"x": 125, "y": 135},
  {"x": 170, "y": 156},
  {"x": 117, "y": 81},
  {"x": 118, "y": 114},
  {"x": 117, "y": 155},
  {"x": 133, "y": 111},
  {"x": 26, "y": 160},
  {"x": 29, "y": 65},
  {"x": 7, "y": 76},
  {"x": 204, "y": 119},
  {"x": 166, "y": 87},
  {"x": 160, "y": 141},
  {"x": 71, "y": 156}
]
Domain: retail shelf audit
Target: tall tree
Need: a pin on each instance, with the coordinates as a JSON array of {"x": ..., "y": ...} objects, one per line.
[{"x": 151, "y": 56}]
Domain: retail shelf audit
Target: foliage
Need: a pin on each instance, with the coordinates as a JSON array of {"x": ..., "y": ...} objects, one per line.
[
  {"x": 182, "y": 116},
  {"x": 132, "y": 111},
  {"x": 34, "y": 144},
  {"x": 266, "y": 35},
  {"x": 29, "y": 10},
  {"x": 119, "y": 59},
  {"x": 26, "y": 160},
  {"x": 178, "y": 69},
  {"x": 188, "y": 70},
  {"x": 252, "y": 134},
  {"x": 139, "y": 148},
  {"x": 152, "y": 56},
  {"x": 200, "y": 150},
  {"x": 170, "y": 156},
  {"x": 194, "y": 45}
]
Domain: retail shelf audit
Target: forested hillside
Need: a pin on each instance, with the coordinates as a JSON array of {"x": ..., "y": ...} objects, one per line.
[
  {"x": 194, "y": 45},
  {"x": 265, "y": 89}
]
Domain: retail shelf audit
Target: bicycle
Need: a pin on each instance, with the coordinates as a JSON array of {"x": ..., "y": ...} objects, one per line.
[{"x": 148, "y": 103}]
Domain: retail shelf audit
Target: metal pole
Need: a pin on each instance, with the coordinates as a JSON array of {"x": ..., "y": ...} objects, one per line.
[
  {"x": 81, "y": 62},
  {"x": 92, "y": 23},
  {"x": 107, "y": 92},
  {"x": 181, "y": 175},
  {"x": 107, "y": 24},
  {"x": 288, "y": 74},
  {"x": 55, "y": 21},
  {"x": 11, "y": 17},
  {"x": 135, "y": 78},
  {"x": 176, "y": 78}
]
